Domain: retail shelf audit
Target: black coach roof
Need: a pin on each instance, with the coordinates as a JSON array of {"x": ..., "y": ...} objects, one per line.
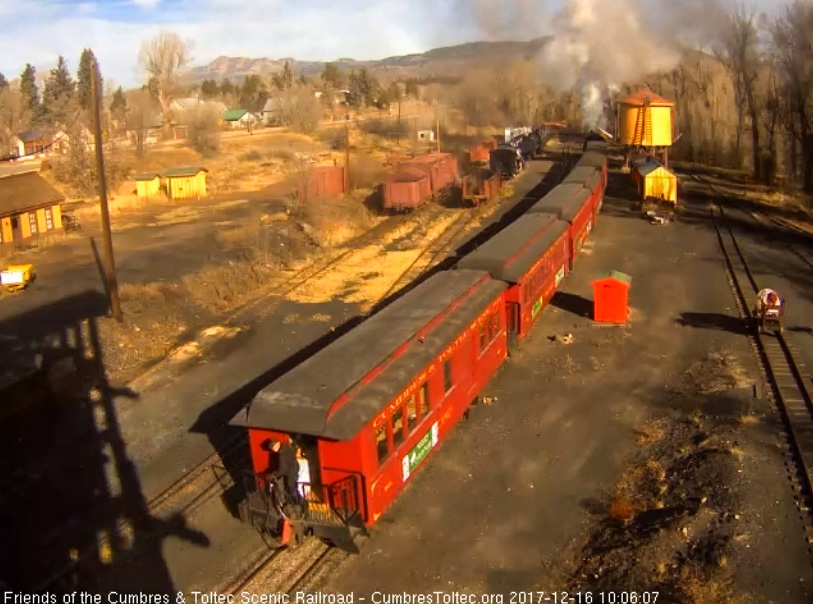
[
  {"x": 564, "y": 201},
  {"x": 511, "y": 253},
  {"x": 300, "y": 401},
  {"x": 592, "y": 158},
  {"x": 589, "y": 176}
]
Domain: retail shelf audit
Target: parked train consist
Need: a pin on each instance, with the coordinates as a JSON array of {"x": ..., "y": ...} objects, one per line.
[
  {"x": 368, "y": 410},
  {"x": 419, "y": 180}
]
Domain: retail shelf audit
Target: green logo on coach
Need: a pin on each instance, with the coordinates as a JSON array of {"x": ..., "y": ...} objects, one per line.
[{"x": 419, "y": 451}]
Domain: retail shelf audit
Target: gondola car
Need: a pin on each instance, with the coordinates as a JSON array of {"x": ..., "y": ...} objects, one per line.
[
  {"x": 371, "y": 407},
  {"x": 572, "y": 203},
  {"x": 532, "y": 256},
  {"x": 590, "y": 178}
]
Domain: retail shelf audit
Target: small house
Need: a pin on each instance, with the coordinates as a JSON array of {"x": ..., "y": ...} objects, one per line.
[
  {"x": 237, "y": 118},
  {"x": 426, "y": 135},
  {"x": 272, "y": 111},
  {"x": 148, "y": 185},
  {"x": 38, "y": 143},
  {"x": 186, "y": 182},
  {"x": 29, "y": 206}
]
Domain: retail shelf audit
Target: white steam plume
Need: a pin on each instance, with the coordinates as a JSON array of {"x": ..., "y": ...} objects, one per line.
[{"x": 598, "y": 45}]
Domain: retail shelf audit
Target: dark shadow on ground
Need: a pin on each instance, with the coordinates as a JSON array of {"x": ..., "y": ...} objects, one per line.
[
  {"x": 72, "y": 510},
  {"x": 573, "y": 303},
  {"x": 706, "y": 320}
]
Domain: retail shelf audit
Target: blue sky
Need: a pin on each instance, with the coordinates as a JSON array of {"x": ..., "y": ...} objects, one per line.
[{"x": 39, "y": 30}]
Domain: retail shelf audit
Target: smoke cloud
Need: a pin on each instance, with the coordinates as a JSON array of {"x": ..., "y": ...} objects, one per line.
[{"x": 599, "y": 45}]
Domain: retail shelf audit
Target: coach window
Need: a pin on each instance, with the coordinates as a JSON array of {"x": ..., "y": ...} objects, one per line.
[
  {"x": 423, "y": 399},
  {"x": 398, "y": 427},
  {"x": 382, "y": 444},
  {"x": 412, "y": 412},
  {"x": 447, "y": 375}
]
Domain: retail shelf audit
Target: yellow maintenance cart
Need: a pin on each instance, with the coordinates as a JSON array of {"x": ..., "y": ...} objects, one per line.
[{"x": 17, "y": 277}]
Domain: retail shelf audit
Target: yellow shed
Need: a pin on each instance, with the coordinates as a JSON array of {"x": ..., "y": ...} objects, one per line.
[
  {"x": 148, "y": 185},
  {"x": 186, "y": 182},
  {"x": 645, "y": 119},
  {"x": 656, "y": 182}
]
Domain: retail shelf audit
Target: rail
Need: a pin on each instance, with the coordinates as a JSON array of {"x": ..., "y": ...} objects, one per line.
[{"x": 786, "y": 377}]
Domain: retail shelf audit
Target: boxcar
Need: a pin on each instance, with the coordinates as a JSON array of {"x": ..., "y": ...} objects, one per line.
[
  {"x": 595, "y": 159},
  {"x": 590, "y": 178},
  {"x": 440, "y": 168},
  {"x": 532, "y": 255},
  {"x": 406, "y": 189},
  {"x": 571, "y": 203},
  {"x": 372, "y": 407}
]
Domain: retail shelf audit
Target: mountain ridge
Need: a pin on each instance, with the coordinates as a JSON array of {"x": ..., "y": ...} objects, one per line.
[{"x": 441, "y": 61}]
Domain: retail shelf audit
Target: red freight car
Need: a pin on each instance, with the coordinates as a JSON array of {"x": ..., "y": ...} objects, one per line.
[
  {"x": 571, "y": 203},
  {"x": 479, "y": 153},
  {"x": 531, "y": 254},
  {"x": 591, "y": 179},
  {"x": 481, "y": 186},
  {"x": 323, "y": 181},
  {"x": 406, "y": 189},
  {"x": 441, "y": 168},
  {"x": 373, "y": 406}
]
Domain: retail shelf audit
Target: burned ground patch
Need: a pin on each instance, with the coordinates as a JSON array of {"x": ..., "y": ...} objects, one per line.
[{"x": 669, "y": 523}]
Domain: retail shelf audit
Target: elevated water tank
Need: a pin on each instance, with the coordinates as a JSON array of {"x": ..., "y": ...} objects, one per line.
[{"x": 645, "y": 119}]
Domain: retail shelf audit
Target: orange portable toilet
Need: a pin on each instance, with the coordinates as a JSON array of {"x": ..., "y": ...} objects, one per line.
[{"x": 611, "y": 298}]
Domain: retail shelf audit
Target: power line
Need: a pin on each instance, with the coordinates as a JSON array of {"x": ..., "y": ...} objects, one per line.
[{"x": 57, "y": 139}]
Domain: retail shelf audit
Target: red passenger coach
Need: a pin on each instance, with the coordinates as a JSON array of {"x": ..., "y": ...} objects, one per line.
[
  {"x": 532, "y": 255},
  {"x": 595, "y": 159},
  {"x": 590, "y": 178},
  {"x": 371, "y": 407},
  {"x": 571, "y": 203}
]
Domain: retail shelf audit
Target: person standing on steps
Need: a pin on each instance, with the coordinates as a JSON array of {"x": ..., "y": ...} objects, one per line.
[{"x": 287, "y": 466}]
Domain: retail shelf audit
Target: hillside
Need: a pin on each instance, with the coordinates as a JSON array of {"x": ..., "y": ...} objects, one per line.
[{"x": 438, "y": 61}]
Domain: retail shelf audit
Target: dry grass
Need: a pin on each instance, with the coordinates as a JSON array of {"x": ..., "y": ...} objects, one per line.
[
  {"x": 224, "y": 287},
  {"x": 651, "y": 431},
  {"x": 335, "y": 221},
  {"x": 719, "y": 371},
  {"x": 368, "y": 272},
  {"x": 699, "y": 588},
  {"x": 749, "y": 419},
  {"x": 118, "y": 206},
  {"x": 621, "y": 509}
]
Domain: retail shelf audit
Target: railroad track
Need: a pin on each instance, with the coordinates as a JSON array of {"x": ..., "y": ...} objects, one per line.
[{"x": 785, "y": 376}]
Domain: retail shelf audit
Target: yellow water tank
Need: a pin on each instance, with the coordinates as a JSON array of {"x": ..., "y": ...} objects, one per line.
[{"x": 645, "y": 119}]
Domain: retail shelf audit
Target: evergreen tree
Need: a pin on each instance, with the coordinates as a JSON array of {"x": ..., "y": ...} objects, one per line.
[
  {"x": 226, "y": 87},
  {"x": 3, "y": 81},
  {"x": 118, "y": 106},
  {"x": 208, "y": 88},
  {"x": 83, "y": 87},
  {"x": 284, "y": 80},
  {"x": 60, "y": 90},
  {"x": 28, "y": 87}
]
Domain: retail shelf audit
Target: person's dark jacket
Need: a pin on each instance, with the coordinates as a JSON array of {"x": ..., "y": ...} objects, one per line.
[{"x": 288, "y": 467}]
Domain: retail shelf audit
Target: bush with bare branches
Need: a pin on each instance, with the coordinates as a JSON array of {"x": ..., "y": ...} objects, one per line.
[
  {"x": 204, "y": 130},
  {"x": 299, "y": 109}
]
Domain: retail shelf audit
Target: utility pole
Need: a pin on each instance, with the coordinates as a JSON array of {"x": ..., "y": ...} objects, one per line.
[
  {"x": 398, "y": 128},
  {"x": 110, "y": 264},
  {"x": 347, "y": 148},
  {"x": 437, "y": 125}
]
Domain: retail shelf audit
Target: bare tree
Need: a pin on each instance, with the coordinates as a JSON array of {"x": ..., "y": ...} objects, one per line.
[
  {"x": 140, "y": 112},
  {"x": 740, "y": 54},
  {"x": 15, "y": 115},
  {"x": 299, "y": 108},
  {"x": 204, "y": 129},
  {"x": 163, "y": 59},
  {"x": 794, "y": 52}
]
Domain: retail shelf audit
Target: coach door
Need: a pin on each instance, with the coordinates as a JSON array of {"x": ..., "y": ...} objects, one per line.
[{"x": 513, "y": 326}]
